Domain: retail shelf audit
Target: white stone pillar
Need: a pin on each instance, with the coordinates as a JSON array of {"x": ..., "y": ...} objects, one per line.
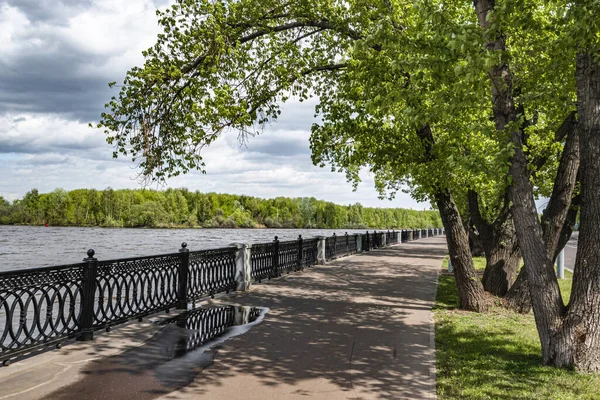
[
  {"x": 243, "y": 268},
  {"x": 358, "y": 237},
  {"x": 321, "y": 250}
]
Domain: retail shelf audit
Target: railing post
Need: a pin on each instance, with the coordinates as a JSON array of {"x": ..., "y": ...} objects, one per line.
[
  {"x": 275, "y": 272},
  {"x": 358, "y": 238},
  {"x": 383, "y": 240},
  {"x": 299, "y": 265},
  {"x": 347, "y": 244},
  {"x": 368, "y": 243},
  {"x": 184, "y": 273},
  {"x": 321, "y": 251},
  {"x": 334, "y": 246},
  {"x": 88, "y": 294}
]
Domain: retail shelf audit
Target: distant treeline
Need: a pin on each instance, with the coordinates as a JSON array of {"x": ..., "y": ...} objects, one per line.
[{"x": 182, "y": 208}]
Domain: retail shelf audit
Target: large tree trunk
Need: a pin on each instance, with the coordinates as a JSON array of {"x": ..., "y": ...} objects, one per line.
[
  {"x": 500, "y": 246},
  {"x": 545, "y": 293},
  {"x": 502, "y": 264},
  {"x": 475, "y": 244},
  {"x": 582, "y": 325},
  {"x": 470, "y": 290}
]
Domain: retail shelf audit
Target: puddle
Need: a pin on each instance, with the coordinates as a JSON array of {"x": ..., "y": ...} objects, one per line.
[
  {"x": 206, "y": 325},
  {"x": 169, "y": 361}
]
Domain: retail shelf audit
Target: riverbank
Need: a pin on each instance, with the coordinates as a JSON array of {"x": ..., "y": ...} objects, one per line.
[{"x": 185, "y": 226}]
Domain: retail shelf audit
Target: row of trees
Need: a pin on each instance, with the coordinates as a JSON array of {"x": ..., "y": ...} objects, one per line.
[
  {"x": 478, "y": 106},
  {"x": 180, "y": 207}
]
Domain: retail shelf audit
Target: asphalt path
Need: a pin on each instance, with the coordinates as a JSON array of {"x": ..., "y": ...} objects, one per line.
[{"x": 571, "y": 251}]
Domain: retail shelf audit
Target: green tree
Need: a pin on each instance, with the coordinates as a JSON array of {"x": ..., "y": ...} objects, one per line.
[{"x": 406, "y": 89}]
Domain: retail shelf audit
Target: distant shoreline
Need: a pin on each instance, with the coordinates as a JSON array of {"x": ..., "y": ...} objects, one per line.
[{"x": 208, "y": 227}]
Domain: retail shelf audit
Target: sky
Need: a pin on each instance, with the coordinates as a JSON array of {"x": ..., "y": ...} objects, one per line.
[{"x": 56, "y": 58}]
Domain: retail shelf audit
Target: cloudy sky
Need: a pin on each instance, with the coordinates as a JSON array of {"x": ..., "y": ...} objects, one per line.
[{"x": 56, "y": 57}]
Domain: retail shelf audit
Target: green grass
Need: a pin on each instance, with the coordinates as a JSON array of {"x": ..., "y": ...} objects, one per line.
[{"x": 497, "y": 355}]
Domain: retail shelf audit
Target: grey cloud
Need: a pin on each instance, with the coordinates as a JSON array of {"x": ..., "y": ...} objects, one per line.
[
  {"x": 47, "y": 82},
  {"x": 47, "y": 159},
  {"x": 49, "y": 11},
  {"x": 39, "y": 145},
  {"x": 278, "y": 147}
]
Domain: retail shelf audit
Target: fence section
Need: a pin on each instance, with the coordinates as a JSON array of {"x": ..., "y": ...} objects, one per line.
[
  {"x": 211, "y": 272},
  {"x": 261, "y": 261},
  {"x": 309, "y": 252},
  {"x": 288, "y": 257},
  {"x": 39, "y": 306},
  {"x": 135, "y": 287}
]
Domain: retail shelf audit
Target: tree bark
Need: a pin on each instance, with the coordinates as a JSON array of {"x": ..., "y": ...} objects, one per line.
[
  {"x": 582, "y": 325},
  {"x": 500, "y": 246},
  {"x": 518, "y": 296},
  {"x": 475, "y": 244},
  {"x": 470, "y": 290},
  {"x": 502, "y": 264},
  {"x": 555, "y": 214}
]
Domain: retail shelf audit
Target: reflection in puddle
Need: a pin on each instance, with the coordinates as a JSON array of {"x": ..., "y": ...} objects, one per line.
[
  {"x": 206, "y": 324},
  {"x": 170, "y": 360}
]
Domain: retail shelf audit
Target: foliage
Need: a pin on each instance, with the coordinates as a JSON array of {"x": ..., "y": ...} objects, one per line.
[
  {"x": 182, "y": 208},
  {"x": 497, "y": 355},
  {"x": 381, "y": 70}
]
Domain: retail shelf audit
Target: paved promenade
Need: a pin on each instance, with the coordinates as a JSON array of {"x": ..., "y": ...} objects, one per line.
[{"x": 358, "y": 328}]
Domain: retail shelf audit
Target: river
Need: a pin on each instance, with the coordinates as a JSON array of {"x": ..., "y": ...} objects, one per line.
[{"x": 32, "y": 246}]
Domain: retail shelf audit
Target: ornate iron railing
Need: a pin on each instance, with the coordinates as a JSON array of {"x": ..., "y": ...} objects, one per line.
[
  {"x": 310, "y": 251},
  {"x": 330, "y": 247},
  {"x": 288, "y": 258},
  {"x": 39, "y": 307},
  {"x": 365, "y": 242},
  {"x": 44, "y": 306},
  {"x": 352, "y": 244},
  {"x": 341, "y": 246},
  {"x": 135, "y": 287},
  {"x": 211, "y": 272},
  {"x": 261, "y": 261}
]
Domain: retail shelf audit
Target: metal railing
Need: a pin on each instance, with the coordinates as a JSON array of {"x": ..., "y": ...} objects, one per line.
[{"x": 45, "y": 306}]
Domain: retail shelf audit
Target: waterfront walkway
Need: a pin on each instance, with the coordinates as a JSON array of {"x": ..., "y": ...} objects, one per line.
[{"x": 360, "y": 327}]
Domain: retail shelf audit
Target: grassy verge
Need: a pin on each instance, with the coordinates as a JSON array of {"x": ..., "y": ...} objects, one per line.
[{"x": 497, "y": 355}]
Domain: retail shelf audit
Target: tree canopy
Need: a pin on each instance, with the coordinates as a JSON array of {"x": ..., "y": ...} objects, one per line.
[{"x": 452, "y": 99}]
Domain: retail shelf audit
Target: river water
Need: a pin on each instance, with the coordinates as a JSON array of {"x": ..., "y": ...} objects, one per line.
[{"x": 32, "y": 246}]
